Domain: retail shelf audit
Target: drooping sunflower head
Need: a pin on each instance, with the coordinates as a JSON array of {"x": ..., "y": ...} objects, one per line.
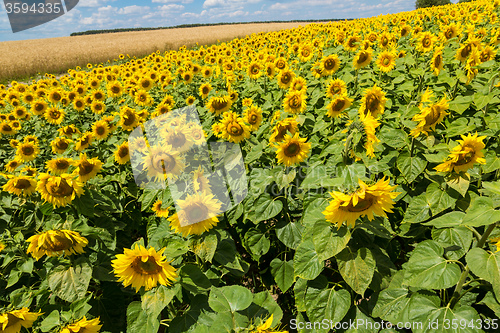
[
  {"x": 205, "y": 89},
  {"x": 338, "y": 104},
  {"x": 68, "y": 131},
  {"x": 437, "y": 61},
  {"x": 141, "y": 267},
  {"x": 84, "y": 141},
  {"x": 59, "y": 190},
  {"x": 83, "y": 326},
  {"x": 373, "y": 101},
  {"x": 12, "y": 165},
  {"x": 7, "y": 128},
  {"x": 86, "y": 168},
  {"x": 362, "y": 59},
  {"x": 60, "y": 145},
  {"x": 56, "y": 242},
  {"x": 162, "y": 162},
  {"x": 465, "y": 155},
  {"x": 234, "y": 128},
  {"x": 122, "y": 153},
  {"x": 282, "y": 127},
  {"x": 352, "y": 43},
  {"x": 128, "y": 118},
  {"x": 14, "y": 320},
  {"x": 430, "y": 116},
  {"x": 368, "y": 201},
  {"x": 219, "y": 105}
]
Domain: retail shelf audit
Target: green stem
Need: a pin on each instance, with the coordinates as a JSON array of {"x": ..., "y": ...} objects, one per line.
[
  {"x": 346, "y": 149},
  {"x": 412, "y": 146},
  {"x": 465, "y": 273}
]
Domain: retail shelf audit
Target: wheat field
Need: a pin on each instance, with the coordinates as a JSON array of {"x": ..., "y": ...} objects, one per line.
[{"x": 26, "y": 58}]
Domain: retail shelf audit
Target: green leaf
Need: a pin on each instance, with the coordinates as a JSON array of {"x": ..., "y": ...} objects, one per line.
[
  {"x": 84, "y": 204},
  {"x": 459, "y": 183},
  {"x": 139, "y": 322},
  {"x": 290, "y": 234},
  {"x": 451, "y": 219},
  {"x": 70, "y": 283},
  {"x": 460, "y": 103},
  {"x": 427, "y": 268},
  {"x": 193, "y": 279},
  {"x": 434, "y": 320},
  {"x": 51, "y": 321},
  {"x": 327, "y": 304},
  {"x": 438, "y": 199},
  {"x": 457, "y": 239},
  {"x": 257, "y": 242},
  {"x": 154, "y": 301},
  {"x": 392, "y": 137},
  {"x": 266, "y": 207},
  {"x": 390, "y": 304},
  {"x": 493, "y": 187},
  {"x": 486, "y": 266},
  {"x": 229, "y": 298},
  {"x": 306, "y": 262},
  {"x": 481, "y": 212},
  {"x": 357, "y": 268},
  {"x": 263, "y": 306},
  {"x": 458, "y": 127},
  {"x": 490, "y": 301},
  {"x": 418, "y": 210},
  {"x": 283, "y": 274},
  {"x": 205, "y": 247},
  {"x": 328, "y": 240},
  {"x": 411, "y": 166},
  {"x": 46, "y": 208}
]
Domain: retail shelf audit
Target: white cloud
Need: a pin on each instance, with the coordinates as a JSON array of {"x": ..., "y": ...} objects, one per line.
[
  {"x": 171, "y": 8},
  {"x": 172, "y": 1},
  {"x": 134, "y": 9}
]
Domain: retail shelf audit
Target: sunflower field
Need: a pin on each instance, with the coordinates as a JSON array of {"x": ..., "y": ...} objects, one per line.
[{"x": 372, "y": 153}]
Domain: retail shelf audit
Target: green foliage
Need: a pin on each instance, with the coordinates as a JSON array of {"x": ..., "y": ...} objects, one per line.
[{"x": 430, "y": 3}]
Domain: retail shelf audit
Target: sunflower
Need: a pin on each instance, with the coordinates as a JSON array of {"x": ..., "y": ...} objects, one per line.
[
  {"x": 373, "y": 101},
  {"x": 98, "y": 107},
  {"x": 205, "y": 89},
  {"x": 141, "y": 267},
  {"x": 299, "y": 84},
  {"x": 197, "y": 214},
  {"x": 2, "y": 246},
  {"x": 122, "y": 153},
  {"x": 338, "y": 104},
  {"x": 177, "y": 137},
  {"x": 59, "y": 190},
  {"x": 114, "y": 89},
  {"x": 351, "y": 44},
  {"x": 83, "y": 326},
  {"x": 29, "y": 171},
  {"x": 100, "y": 129},
  {"x": 159, "y": 211},
  {"x": 98, "y": 95},
  {"x": 385, "y": 40},
  {"x": 27, "y": 151},
  {"x": 68, "y": 131},
  {"x": 336, "y": 87},
  {"x": 54, "y": 115},
  {"x": 465, "y": 155},
  {"x": 13, "y": 321},
  {"x": 196, "y": 133},
  {"x": 79, "y": 104},
  {"x": 270, "y": 70},
  {"x": 369, "y": 124},
  {"x": 366, "y": 201},
  {"x": 163, "y": 162},
  {"x": 84, "y": 141},
  {"x": 59, "y": 165},
  {"x": 142, "y": 98},
  {"x": 219, "y": 105},
  {"x": 128, "y": 118},
  {"x": 87, "y": 168},
  {"x": 330, "y": 64},
  {"x": 426, "y": 42},
  {"x": 233, "y": 128},
  {"x": 306, "y": 52},
  {"x": 39, "y": 107},
  {"x": 265, "y": 327},
  {"x": 437, "y": 61},
  {"x": 292, "y": 150},
  {"x": 55, "y": 243},
  {"x": 285, "y": 78},
  {"x": 20, "y": 112},
  {"x": 190, "y": 100},
  {"x": 12, "y": 165},
  {"x": 7, "y": 128},
  {"x": 362, "y": 59},
  {"x": 295, "y": 102},
  {"x": 54, "y": 96},
  {"x": 254, "y": 70},
  {"x": 200, "y": 182},
  {"x": 282, "y": 127},
  {"x": 59, "y": 145},
  {"x": 253, "y": 116},
  {"x": 145, "y": 84},
  {"x": 429, "y": 116},
  {"x": 13, "y": 143},
  {"x": 386, "y": 61},
  {"x": 488, "y": 53},
  {"x": 20, "y": 186}
]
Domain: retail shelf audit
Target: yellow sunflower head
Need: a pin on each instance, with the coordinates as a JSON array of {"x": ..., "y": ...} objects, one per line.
[
  {"x": 56, "y": 242},
  {"x": 20, "y": 186},
  {"x": 83, "y": 326},
  {"x": 59, "y": 190},
  {"x": 373, "y": 101},
  {"x": 465, "y": 155}
]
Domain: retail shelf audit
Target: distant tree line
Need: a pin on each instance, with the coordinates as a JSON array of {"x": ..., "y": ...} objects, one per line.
[{"x": 105, "y": 31}]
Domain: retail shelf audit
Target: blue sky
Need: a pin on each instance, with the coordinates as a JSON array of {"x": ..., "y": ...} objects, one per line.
[{"x": 109, "y": 14}]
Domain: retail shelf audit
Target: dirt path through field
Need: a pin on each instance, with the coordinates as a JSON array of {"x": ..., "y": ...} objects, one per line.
[{"x": 56, "y": 55}]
